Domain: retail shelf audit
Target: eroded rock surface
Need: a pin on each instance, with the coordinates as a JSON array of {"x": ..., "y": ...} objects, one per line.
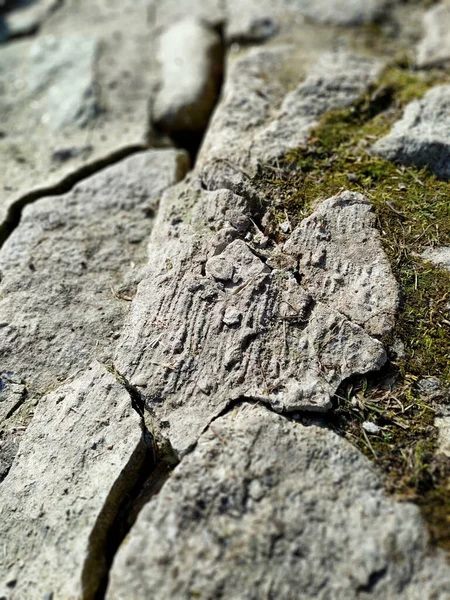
[
  {"x": 421, "y": 137},
  {"x": 59, "y": 500},
  {"x": 250, "y": 322},
  {"x": 74, "y": 96},
  {"x": 69, "y": 270},
  {"x": 256, "y": 511},
  {"x": 257, "y": 121}
]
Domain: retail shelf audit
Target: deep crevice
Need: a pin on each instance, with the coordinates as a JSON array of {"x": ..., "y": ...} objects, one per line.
[
  {"x": 62, "y": 187},
  {"x": 143, "y": 477}
]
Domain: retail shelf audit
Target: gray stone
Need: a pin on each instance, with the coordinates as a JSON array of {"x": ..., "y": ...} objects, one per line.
[
  {"x": 291, "y": 348},
  {"x": 443, "y": 425},
  {"x": 438, "y": 256},
  {"x": 256, "y": 121},
  {"x": 342, "y": 263},
  {"x": 81, "y": 69},
  {"x": 78, "y": 460},
  {"x": 421, "y": 136},
  {"x": 434, "y": 49},
  {"x": 71, "y": 266},
  {"x": 260, "y": 507},
  {"x": 190, "y": 54},
  {"x": 61, "y": 80}
]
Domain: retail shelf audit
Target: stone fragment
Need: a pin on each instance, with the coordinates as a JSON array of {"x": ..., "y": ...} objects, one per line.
[
  {"x": 421, "y": 136},
  {"x": 443, "y": 425},
  {"x": 342, "y": 263},
  {"x": 77, "y": 462},
  {"x": 434, "y": 49},
  {"x": 69, "y": 269},
  {"x": 260, "y": 506},
  {"x": 371, "y": 428},
  {"x": 438, "y": 256},
  {"x": 191, "y": 63},
  {"x": 294, "y": 343}
]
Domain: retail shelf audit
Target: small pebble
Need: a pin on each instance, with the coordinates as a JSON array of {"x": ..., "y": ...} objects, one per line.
[{"x": 371, "y": 427}]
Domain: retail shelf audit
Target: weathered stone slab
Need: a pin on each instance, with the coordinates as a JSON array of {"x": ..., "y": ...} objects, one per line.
[
  {"x": 70, "y": 267},
  {"x": 190, "y": 54},
  {"x": 78, "y": 460},
  {"x": 198, "y": 336},
  {"x": 342, "y": 263},
  {"x": 74, "y": 96},
  {"x": 247, "y": 129},
  {"x": 434, "y": 49},
  {"x": 257, "y": 510},
  {"x": 421, "y": 137}
]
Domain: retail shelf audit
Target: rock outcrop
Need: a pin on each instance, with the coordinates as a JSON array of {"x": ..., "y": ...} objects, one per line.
[{"x": 193, "y": 362}]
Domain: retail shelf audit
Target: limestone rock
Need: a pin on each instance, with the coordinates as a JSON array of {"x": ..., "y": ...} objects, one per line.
[
  {"x": 242, "y": 327},
  {"x": 70, "y": 266},
  {"x": 434, "y": 49},
  {"x": 438, "y": 256},
  {"x": 257, "y": 510},
  {"x": 74, "y": 97},
  {"x": 342, "y": 263},
  {"x": 77, "y": 462},
  {"x": 191, "y": 59},
  {"x": 257, "y": 122},
  {"x": 443, "y": 425},
  {"x": 421, "y": 136}
]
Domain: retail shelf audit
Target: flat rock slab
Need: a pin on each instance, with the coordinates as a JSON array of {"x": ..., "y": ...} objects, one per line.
[
  {"x": 434, "y": 49},
  {"x": 73, "y": 96},
  {"x": 216, "y": 318},
  {"x": 76, "y": 463},
  {"x": 69, "y": 269},
  {"x": 257, "y": 122},
  {"x": 260, "y": 507},
  {"x": 421, "y": 137}
]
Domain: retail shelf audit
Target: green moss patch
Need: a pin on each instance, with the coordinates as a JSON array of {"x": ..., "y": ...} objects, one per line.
[{"x": 413, "y": 212}]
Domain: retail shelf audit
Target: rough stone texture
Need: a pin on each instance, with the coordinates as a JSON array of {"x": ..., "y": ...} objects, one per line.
[
  {"x": 190, "y": 54},
  {"x": 12, "y": 391},
  {"x": 74, "y": 96},
  {"x": 342, "y": 263},
  {"x": 266, "y": 508},
  {"x": 198, "y": 337},
  {"x": 438, "y": 256},
  {"x": 247, "y": 129},
  {"x": 421, "y": 136},
  {"x": 434, "y": 49},
  {"x": 70, "y": 268},
  {"x": 76, "y": 463}
]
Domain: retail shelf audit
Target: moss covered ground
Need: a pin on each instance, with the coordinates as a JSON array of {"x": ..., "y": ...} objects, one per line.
[{"x": 413, "y": 212}]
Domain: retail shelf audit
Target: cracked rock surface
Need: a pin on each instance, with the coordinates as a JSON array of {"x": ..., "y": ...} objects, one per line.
[
  {"x": 192, "y": 363},
  {"x": 194, "y": 341},
  {"x": 59, "y": 501},
  {"x": 259, "y": 507}
]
